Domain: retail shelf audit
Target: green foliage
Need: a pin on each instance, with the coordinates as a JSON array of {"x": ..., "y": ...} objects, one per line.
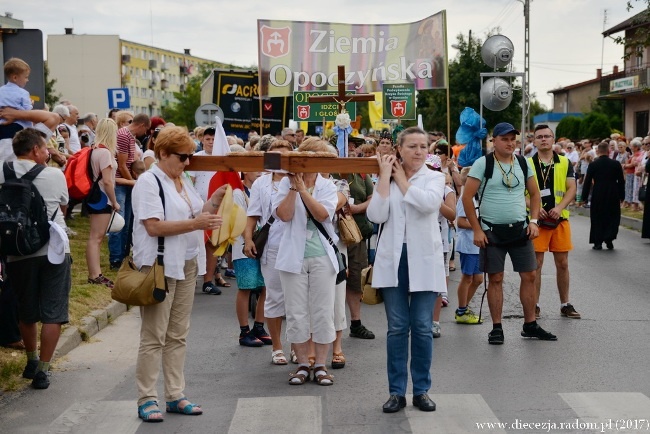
[
  {"x": 536, "y": 108},
  {"x": 181, "y": 112},
  {"x": 569, "y": 127},
  {"x": 640, "y": 37},
  {"x": 51, "y": 96},
  {"x": 613, "y": 109},
  {"x": 595, "y": 126},
  {"x": 464, "y": 86}
]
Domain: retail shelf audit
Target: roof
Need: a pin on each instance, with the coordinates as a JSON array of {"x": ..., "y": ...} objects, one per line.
[
  {"x": 638, "y": 20},
  {"x": 577, "y": 85}
]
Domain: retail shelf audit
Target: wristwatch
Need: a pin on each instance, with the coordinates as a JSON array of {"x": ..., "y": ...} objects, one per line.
[{"x": 534, "y": 221}]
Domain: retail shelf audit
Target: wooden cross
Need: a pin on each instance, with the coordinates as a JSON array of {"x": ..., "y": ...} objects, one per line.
[{"x": 341, "y": 98}]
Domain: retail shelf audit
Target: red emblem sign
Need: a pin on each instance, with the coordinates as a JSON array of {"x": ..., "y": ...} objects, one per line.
[
  {"x": 274, "y": 42},
  {"x": 267, "y": 108},
  {"x": 303, "y": 111},
  {"x": 398, "y": 108}
]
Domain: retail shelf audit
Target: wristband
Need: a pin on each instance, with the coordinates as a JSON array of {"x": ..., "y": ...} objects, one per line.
[
  {"x": 293, "y": 189},
  {"x": 534, "y": 221}
]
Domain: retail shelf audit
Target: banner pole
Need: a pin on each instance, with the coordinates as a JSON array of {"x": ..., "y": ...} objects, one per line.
[{"x": 444, "y": 23}]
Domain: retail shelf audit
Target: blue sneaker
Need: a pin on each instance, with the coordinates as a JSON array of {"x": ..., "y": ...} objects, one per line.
[
  {"x": 230, "y": 273},
  {"x": 248, "y": 340}
]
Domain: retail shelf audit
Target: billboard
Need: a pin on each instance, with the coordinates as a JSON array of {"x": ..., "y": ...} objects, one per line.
[
  {"x": 303, "y": 55},
  {"x": 304, "y": 111},
  {"x": 236, "y": 93}
]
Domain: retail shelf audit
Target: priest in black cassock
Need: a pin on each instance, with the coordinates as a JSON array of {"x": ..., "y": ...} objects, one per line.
[{"x": 606, "y": 197}]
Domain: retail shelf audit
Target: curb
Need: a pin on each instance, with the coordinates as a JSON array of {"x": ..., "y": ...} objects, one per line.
[
  {"x": 628, "y": 222},
  {"x": 72, "y": 337}
]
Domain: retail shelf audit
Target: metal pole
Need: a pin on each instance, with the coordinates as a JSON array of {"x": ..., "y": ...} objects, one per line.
[{"x": 526, "y": 87}]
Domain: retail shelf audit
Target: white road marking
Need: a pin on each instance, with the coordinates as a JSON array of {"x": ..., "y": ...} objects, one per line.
[{"x": 285, "y": 414}]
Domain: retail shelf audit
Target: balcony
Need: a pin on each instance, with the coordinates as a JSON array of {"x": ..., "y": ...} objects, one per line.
[
  {"x": 163, "y": 66},
  {"x": 153, "y": 64},
  {"x": 164, "y": 84},
  {"x": 184, "y": 70},
  {"x": 126, "y": 58}
]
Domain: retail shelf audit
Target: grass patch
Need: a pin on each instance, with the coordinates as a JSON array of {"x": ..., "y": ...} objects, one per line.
[
  {"x": 84, "y": 298},
  {"x": 633, "y": 214}
]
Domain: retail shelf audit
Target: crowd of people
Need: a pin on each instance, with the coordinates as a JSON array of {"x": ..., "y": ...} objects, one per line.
[{"x": 414, "y": 215}]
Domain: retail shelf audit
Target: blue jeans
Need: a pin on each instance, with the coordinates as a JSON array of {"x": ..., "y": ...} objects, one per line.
[
  {"x": 408, "y": 312},
  {"x": 117, "y": 241}
]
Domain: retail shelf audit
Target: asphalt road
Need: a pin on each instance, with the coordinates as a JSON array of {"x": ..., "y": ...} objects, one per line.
[{"x": 593, "y": 379}]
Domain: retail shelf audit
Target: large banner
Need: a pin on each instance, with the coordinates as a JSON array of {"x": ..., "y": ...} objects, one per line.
[
  {"x": 236, "y": 93},
  {"x": 303, "y": 55}
]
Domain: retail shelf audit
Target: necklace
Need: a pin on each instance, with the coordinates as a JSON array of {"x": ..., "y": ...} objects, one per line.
[
  {"x": 507, "y": 177},
  {"x": 186, "y": 197}
]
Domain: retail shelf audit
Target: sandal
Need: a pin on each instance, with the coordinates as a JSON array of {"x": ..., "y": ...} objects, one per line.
[
  {"x": 294, "y": 357},
  {"x": 188, "y": 409},
  {"x": 101, "y": 280},
  {"x": 323, "y": 379},
  {"x": 220, "y": 281},
  {"x": 338, "y": 361},
  {"x": 301, "y": 375},
  {"x": 278, "y": 358},
  {"x": 146, "y": 415}
]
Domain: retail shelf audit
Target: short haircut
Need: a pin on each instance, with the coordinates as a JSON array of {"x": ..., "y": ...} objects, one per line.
[
  {"x": 61, "y": 110},
  {"x": 173, "y": 139},
  {"x": 408, "y": 132},
  {"x": 603, "y": 148},
  {"x": 314, "y": 144},
  {"x": 367, "y": 147},
  {"x": 265, "y": 142},
  {"x": 112, "y": 111},
  {"x": 543, "y": 127},
  {"x": 286, "y": 131},
  {"x": 143, "y": 119},
  {"x": 280, "y": 144},
  {"x": 443, "y": 148},
  {"x": 25, "y": 140},
  {"x": 89, "y": 117},
  {"x": 15, "y": 66},
  {"x": 300, "y": 130}
]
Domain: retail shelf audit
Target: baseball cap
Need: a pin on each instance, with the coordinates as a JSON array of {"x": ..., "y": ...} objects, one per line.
[
  {"x": 503, "y": 128},
  {"x": 58, "y": 244},
  {"x": 433, "y": 162}
]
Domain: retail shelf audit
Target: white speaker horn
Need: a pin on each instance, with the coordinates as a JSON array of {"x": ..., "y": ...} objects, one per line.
[
  {"x": 497, "y": 51},
  {"x": 496, "y": 94}
]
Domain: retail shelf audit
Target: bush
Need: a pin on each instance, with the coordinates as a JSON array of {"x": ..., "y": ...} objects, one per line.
[
  {"x": 595, "y": 126},
  {"x": 569, "y": 127}
]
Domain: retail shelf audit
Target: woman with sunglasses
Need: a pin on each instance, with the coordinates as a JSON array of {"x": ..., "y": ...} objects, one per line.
[{"x": 180, "y": 220}]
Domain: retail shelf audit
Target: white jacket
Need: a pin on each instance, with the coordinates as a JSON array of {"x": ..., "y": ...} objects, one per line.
[
  {"x": 419, "y": 208},
  {"x": 291, "y": 252}
]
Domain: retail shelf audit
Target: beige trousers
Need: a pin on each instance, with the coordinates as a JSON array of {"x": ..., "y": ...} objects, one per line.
[{"x": 163, "y": 338}]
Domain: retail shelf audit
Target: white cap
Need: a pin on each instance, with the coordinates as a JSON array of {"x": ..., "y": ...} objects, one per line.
[
  {"x": 116, "y": 223},
  {"x": 58, "y": 244}
]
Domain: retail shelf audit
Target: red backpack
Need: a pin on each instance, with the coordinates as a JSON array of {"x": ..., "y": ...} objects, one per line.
[{"x": 79, "y": 174}]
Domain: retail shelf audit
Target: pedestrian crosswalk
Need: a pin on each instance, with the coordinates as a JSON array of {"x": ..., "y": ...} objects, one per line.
[{"x": 456, "y": 413}]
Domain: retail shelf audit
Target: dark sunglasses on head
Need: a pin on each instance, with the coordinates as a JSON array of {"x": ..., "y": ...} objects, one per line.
[{"x": 183, "y": 157}]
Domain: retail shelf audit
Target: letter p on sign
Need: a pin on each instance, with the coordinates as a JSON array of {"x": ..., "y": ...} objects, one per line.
[{"x": 119, "y": 98}]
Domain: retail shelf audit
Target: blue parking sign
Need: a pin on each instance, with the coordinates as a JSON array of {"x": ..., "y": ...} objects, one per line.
[{"x": 119, "y": 98}]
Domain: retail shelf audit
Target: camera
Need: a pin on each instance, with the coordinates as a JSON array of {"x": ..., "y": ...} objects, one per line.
[{"x": 84, "y": 138}]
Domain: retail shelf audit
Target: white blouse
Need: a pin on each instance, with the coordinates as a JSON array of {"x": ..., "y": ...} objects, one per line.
[{"x": 147, "y": 204}]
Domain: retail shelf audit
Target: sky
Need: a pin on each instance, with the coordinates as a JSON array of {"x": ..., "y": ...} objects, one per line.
[{"x": 566, "y": 43}]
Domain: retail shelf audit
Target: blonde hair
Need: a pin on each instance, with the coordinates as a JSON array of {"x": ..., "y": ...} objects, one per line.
[
  {"x": 15, "y": 66},
  {"x": 280, "y": 144},
  {"x": 122, "y": 118},
  {"x": 106, "y": 134},
  {"x": 314, "y": 144},
  {"x": 173, "y": 139}
]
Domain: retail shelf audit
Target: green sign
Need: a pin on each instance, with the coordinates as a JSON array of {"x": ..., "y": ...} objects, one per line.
[
  {"x": 304, "y": 111},
  {"x": 399, "y": 101}
]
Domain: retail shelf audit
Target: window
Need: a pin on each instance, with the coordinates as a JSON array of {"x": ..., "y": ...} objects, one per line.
[
  {"x": 639, "y": 57},
  {"x": 641, "y": 124}
]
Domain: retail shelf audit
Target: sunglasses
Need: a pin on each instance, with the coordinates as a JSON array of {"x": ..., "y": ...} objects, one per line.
[
  {"x": 437, "y": 152},
  {"x": 183, "y": 157}
]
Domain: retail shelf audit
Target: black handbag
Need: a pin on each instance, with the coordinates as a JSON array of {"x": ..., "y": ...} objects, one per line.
[
  {"x": 342, "y": 275},
  {"x": 643, "y": 188},
  {"x": 261, "y": 236},
  {"x": 506, "y": 235}
]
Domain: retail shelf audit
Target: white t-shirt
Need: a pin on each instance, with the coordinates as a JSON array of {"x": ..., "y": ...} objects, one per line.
[
  {"x": 202, "y": 179},
  {"x": 52, "y": 187},
  {"x": 75, "y": 144},
  {"x": 444, "y": 223},
  {"x": 260, "y": 204}
]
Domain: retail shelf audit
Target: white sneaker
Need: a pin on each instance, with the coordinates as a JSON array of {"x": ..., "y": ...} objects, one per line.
[{"x": 435, "y": 329}]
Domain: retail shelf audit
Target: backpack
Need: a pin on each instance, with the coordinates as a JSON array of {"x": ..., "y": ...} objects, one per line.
[
  {"x": 79, "y": 174},
  {"x": 24, "y": 226}
]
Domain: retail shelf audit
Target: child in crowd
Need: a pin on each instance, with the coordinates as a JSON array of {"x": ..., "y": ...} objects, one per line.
[
  {"x": 137, "y": 168},
  {"x": 469, "y": 261},
  {"x": 13, "y": 93}
]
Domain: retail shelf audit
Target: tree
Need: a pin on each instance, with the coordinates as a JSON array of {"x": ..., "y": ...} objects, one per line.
[
  {"x": 595, "y": 126},
  {"x": 569, "y": 127},
  {"x": 640, "y": 36},
  {"x": 51, "y": 96},
  {"x": 182, "y": 111},
  {"x": 464, "y": 87},
  {"x": 536, "y": 107},
  {"x": 613, "y": 109}
]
